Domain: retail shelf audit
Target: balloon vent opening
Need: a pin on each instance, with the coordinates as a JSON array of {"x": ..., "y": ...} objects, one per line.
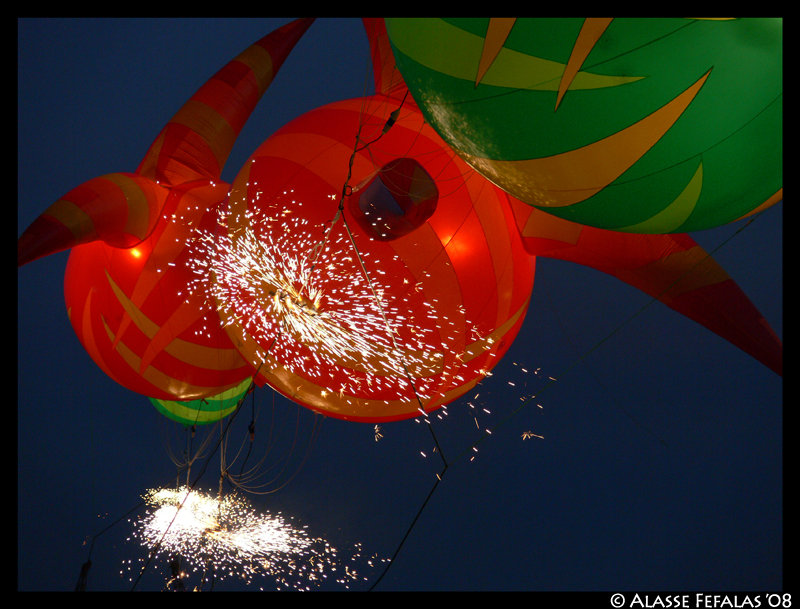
[{"x": 395, "y": 200}]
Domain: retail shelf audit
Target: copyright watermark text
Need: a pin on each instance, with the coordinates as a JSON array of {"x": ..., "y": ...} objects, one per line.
[{"x": 702, "y": 600}]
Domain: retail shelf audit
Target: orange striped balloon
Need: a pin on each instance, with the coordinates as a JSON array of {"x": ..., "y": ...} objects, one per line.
[
  {"x": 408, "y": 315},
  {"x": 134, "y": 315},
  {"x": 128, "y": 277}
]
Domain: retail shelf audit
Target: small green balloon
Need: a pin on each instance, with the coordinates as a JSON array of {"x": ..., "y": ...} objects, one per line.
[{"x": 203, "y": 411}]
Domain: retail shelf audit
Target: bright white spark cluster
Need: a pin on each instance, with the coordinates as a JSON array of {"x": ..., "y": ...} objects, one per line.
[
  {"x": 230, "y": 537},
  {"x": 307, "y": 304}
]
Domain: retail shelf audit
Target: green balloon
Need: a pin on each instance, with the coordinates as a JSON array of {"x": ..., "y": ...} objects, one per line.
[
  {"x": 637, "y": 125},
  {"x": 203, "y": 411}
]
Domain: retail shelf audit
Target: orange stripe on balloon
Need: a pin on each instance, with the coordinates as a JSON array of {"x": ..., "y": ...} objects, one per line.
[
  {"x": 345, "y": 406},
  {"x": 216, "y": 136},
  {"x": 119, "y": 208},
  {"x": 330, "y": 403},
  {"x": 171, "y": 237},
  {"x": 70, "y": 215},
  {"x": 181, "y": 390},
  {"x": 479, "y": 346},
  {"x": 210, "y": 358},
  {"x": 182, "y": 317},
  {"x": 496, "y": 33},
  {"x": 778, "y": 196},
  {"x": 86, "y": 335},
  {"x": 217, "y": 91},
  {"x": 258, "y": 63},
  {"x": 541, "y": 225},
  {"x": 590, "y": 33}
]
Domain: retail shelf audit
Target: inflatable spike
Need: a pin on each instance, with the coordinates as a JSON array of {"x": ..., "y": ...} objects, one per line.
[{"x": 122, "y": 209}]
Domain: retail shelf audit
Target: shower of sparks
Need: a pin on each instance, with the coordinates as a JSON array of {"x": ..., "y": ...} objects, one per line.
[
  {"x": 307, "y": 303},
  {"x": 229, "y": 537}
]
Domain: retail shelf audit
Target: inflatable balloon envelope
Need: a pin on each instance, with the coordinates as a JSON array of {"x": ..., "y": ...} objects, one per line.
[
  {"x": 394, "y": 304},
  {"x": 357, "y": 264},
  {"x": 637, "y": 125},
  {"x": 126, "y": 278}
]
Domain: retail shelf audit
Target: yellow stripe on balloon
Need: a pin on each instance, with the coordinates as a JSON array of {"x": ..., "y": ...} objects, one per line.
[
  {"x": 676, "y": 213},
  {"x": 258, "y": 59},
  {"x": 74, "y": 218},
  {"x": 496, "y": 33},
  {"x": 510, "y": 69},
  {"x": 211, "y": 358},
  {"x": 573, "y": 176},
  {"x": 215, "y": 131},
  {"x": 325, "y": 399},
  {"x": 182, "y": 390},
  {"x": 590, "y": 33},
  {"x": 482, "y": 344}
]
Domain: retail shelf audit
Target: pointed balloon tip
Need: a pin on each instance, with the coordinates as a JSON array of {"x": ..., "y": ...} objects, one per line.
[
  {"x": 281, "y": 42},
  {"x": 44, "y": 237},
  {"x": 119, "y": 208}
]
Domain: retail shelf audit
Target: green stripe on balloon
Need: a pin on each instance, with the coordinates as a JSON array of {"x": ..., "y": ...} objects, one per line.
[{"x": 203, "y": 411}]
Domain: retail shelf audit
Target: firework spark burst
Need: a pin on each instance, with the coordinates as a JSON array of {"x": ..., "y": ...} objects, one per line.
[
  {"x": 306, "y": 302},
  {"x": 227, "y": 535}
]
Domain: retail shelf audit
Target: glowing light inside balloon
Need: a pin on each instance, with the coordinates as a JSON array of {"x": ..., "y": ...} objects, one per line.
[{"x": 229, "y": 536}]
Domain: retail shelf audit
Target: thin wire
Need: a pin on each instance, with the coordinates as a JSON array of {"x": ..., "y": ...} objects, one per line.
[
  {"x": 530, "y": 398},
  {"x": 408, "y": 531},
  {"x": 377, "y": 300},
  {"x": 591, "y": 371},
  {"x": 527, "y": 400}
]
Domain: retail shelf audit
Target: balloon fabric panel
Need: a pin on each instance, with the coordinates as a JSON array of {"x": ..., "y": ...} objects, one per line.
[
  {"x": 672, "y": 268},
  {"x": 408, "y": 293},
  {"x": 144, "y": 333}
]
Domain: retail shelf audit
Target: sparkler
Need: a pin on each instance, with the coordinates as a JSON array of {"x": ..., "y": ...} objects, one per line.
[{"x": 229, "y": 536}]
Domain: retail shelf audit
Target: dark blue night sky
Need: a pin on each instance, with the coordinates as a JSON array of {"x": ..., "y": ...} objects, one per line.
[{"x": 660, "y": 466}]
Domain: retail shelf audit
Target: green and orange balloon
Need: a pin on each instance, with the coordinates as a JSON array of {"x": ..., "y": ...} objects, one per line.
[
  {"x": 636, "y": 125},
  {"x": 203, "y": 411}
]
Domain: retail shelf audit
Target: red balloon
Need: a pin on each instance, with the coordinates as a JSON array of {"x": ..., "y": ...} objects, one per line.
[
  {"x": 135, "y": 317},
  {"x": 127, "y": 278},
  {"x": 438, "y": 245}
]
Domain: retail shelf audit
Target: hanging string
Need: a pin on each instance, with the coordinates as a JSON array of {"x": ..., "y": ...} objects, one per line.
[{"x": 191, "y": 486}]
